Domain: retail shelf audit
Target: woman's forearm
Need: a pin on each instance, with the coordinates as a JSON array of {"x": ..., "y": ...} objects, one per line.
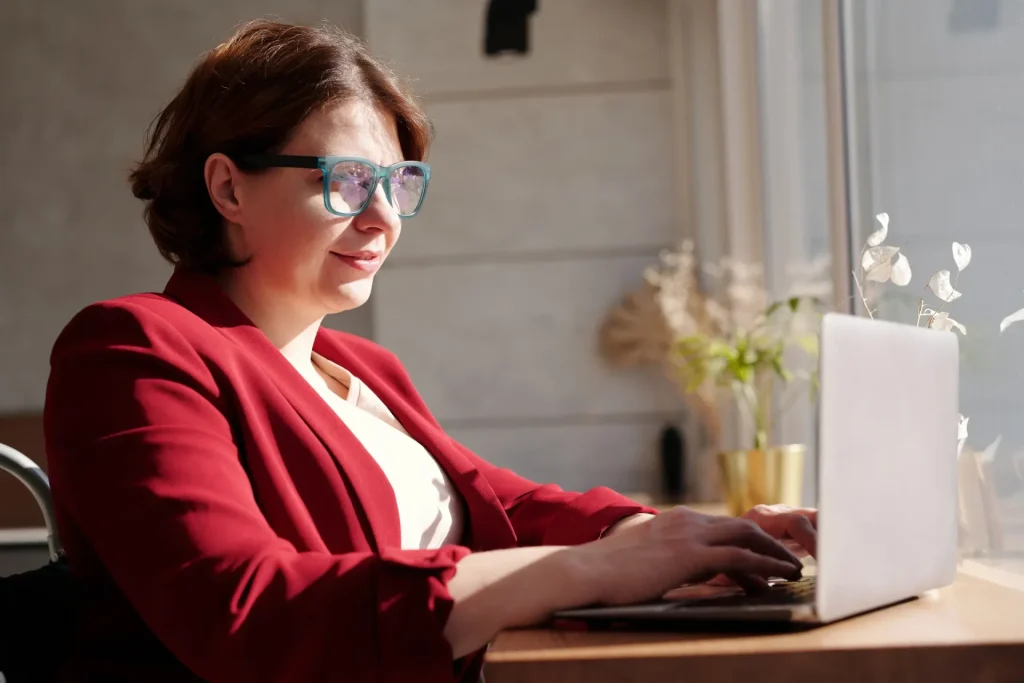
[
  {"x": 627, "y": 522},
  {"x": 501, "y": 589}
]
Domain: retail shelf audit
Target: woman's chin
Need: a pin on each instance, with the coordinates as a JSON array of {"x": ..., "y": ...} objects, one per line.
[{"x": 350, "y": 295}]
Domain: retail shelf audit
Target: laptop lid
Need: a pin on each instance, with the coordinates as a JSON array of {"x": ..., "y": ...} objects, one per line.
[{"x": 887, "y": 492}]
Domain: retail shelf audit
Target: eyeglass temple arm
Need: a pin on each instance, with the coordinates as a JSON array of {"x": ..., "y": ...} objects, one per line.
[{"x": 278, "y": 161}]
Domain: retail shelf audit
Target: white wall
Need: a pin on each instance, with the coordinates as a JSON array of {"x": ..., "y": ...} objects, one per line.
[
  {"x": 552, "y": 190},
  {"x": 80, "y": 84}
]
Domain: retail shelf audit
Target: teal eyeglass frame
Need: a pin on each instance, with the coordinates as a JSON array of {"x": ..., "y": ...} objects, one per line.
[{"x": 326, "y": 166}]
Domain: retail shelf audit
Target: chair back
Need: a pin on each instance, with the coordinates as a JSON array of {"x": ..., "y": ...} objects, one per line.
[
  {"x": 38, "y": 608},
  {"x": 32, "y": 476}
]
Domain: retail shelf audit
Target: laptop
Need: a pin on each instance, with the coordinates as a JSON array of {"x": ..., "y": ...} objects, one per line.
[{"x": 887, "y": 487}]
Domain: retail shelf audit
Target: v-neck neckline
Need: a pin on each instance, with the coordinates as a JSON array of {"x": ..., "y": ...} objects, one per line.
[
  {"x": 343, "y": 376},
  {"x": 491, "y": 528}
]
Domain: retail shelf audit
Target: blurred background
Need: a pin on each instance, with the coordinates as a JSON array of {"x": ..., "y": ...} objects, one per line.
[{"x": 575, "y": 140}]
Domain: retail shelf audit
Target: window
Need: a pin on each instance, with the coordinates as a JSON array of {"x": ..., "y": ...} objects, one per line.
[{"x": 914, "y": 108}]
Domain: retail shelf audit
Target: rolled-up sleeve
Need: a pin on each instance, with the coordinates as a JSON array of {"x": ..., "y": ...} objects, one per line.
[{"x": 143, "y": 459}]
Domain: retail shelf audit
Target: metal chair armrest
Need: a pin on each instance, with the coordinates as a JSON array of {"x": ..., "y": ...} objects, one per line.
[{"x": 31, "y": 475}]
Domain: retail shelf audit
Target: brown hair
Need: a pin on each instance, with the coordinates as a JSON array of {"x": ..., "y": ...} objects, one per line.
[{"x": 245, "y": 97}]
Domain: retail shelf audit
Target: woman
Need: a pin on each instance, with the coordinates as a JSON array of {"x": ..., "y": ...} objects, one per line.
[{"x": 245, "y": 496}]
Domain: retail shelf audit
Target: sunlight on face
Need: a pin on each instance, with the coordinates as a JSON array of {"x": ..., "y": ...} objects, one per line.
[{"x": 302, "y": 254}]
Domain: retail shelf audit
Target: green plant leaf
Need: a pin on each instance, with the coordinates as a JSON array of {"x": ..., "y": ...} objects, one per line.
[
  {"x": 809, "y": 343},
  {"x": 720, "y": 349},
  {"x": 696, "y": 380},
  {"x": 783, "y": 374}
]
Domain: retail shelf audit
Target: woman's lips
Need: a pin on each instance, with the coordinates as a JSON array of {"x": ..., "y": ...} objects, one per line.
[{"x": 366, "y": 261}]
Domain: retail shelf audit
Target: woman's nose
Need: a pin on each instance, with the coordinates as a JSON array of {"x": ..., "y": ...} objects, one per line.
[{"x": 379, "y": 214}]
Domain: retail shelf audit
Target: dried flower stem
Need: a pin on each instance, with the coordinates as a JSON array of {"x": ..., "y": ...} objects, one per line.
[
  {"x": 946, "y": 301},
  {"x": 860, "y": 289}
]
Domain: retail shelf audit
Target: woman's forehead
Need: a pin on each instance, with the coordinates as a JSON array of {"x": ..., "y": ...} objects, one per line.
[{"x": 352, "y": 128}]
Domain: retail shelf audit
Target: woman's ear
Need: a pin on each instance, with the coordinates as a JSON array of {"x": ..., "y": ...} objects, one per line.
[{"x": 222, "y": 182}]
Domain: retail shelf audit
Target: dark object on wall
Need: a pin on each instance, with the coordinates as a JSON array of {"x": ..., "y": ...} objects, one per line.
[
  {"x": 507, "y": 26},
  {"x": 673, "y": 464}
]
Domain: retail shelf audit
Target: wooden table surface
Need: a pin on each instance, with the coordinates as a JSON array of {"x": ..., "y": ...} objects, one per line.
[{"x": 970, "y": 631}]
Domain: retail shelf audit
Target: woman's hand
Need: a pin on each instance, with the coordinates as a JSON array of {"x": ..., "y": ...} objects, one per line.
[
  {"x": 643, "y": 561},
  {"x": 796, "y": 527}
]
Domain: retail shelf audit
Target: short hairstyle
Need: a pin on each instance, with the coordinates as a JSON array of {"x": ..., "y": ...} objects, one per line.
[{"x": 247, "y": 96}]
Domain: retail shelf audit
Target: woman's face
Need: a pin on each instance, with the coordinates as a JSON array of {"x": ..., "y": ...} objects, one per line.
[{"x": 306, "y": 257}]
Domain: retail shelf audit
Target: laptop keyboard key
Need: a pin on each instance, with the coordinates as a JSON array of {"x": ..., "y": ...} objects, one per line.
[{"x": 785, "y": 593}]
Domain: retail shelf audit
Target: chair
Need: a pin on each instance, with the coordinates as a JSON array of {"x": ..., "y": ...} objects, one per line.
[
  {"x": 32, "y": 476},
  {"x": 38, "y": 608}
]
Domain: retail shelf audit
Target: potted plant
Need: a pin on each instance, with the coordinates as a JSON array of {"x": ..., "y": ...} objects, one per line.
[
  {"x": 739, "y": 342},
  {"x": 748, "y": 345},
  {"x": 745, "y": 343}
]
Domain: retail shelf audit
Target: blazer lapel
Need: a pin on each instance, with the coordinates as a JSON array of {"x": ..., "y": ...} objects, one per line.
[
  {"x": 489, "y": 525},
  {"x": 203, "y": 296}
]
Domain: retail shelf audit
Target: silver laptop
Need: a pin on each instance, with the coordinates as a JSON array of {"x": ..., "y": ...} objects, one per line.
[{"x": 887, "y": 493}]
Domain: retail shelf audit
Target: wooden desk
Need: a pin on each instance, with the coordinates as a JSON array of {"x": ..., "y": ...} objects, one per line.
[{"x": 970, "y": 631}]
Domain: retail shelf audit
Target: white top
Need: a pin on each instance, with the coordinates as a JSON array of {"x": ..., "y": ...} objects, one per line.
[{"x": 429, "y": 508}]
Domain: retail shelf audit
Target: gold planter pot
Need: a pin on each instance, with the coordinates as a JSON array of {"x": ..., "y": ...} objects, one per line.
[{"x": 762, "y": 477}]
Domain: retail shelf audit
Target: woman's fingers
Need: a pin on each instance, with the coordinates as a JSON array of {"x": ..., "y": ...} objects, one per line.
[
  {"x": 739, "y": 562},
  {"x": 809, "y": 513},
  {"x": 746, "y": 534},
  {"x": 785, "y": 523},
  {"x": 702, "y": 591},
  {"x": 721, "y": 580},
  {"x": 750, "y": 583},
  {"x": 801, "y": 529}
]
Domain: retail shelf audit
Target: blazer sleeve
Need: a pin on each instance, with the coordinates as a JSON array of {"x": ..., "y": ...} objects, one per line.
[
  {"x": 545, "y": 514},
  {"x": 143, "y": 460},
  {"x": 540, "y": 514}
]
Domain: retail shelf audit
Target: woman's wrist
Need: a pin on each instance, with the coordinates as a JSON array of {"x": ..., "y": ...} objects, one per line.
[{"x": 541, "y": 579}]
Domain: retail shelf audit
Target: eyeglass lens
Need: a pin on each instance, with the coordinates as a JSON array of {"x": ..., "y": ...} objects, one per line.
[{"x": 352, "y": 181}]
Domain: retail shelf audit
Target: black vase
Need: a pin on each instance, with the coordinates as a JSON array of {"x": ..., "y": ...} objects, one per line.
[{"x": 673, "y": 464}]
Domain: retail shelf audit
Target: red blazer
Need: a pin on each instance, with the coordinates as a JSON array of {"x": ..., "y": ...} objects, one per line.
[{"x": 222, "y": 520}]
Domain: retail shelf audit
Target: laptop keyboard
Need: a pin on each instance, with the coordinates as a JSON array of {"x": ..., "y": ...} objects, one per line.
[{"x": 783, "y": 593}]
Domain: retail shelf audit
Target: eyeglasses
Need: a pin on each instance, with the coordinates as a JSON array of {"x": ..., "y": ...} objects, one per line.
[{"x": 349, "y": 182}]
